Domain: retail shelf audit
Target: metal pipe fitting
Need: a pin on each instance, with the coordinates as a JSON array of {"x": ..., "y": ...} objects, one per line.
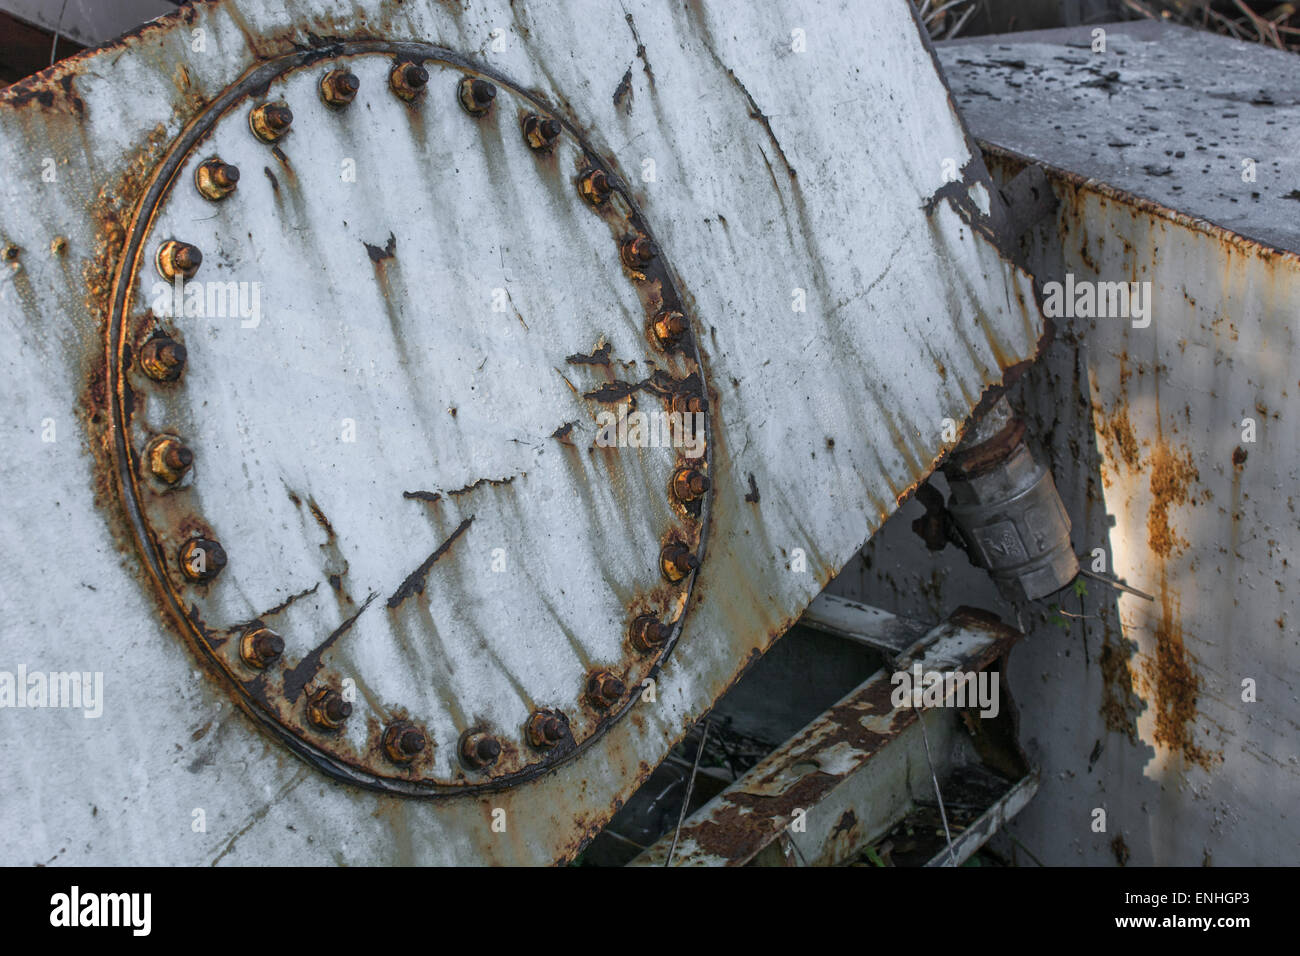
[{"x": 1007, "y": 511}]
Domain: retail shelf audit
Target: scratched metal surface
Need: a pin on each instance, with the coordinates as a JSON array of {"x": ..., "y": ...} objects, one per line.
[
  {"x": 1136, "y": 706},
  {"x": 814, "y": 434},
  {"x": 1136, "y": 118}
]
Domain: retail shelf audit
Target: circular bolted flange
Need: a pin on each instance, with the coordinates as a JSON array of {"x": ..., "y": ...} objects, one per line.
[
  {"x": 476, "y": 95},
  {"x": 387, "y": 581},
  {"x": 216, "y": 180},
  {"x": 163, "y": 358},
  {"x": 201, "y": 559},
  {"x": 339, "y": 87},
  {"x": 178, "y": 258},
  {"x": 270, "y": 121},
  {"x": 260, "y": 647}
]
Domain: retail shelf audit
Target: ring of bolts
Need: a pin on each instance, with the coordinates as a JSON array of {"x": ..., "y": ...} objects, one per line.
[{"x": 201, "y": 560}]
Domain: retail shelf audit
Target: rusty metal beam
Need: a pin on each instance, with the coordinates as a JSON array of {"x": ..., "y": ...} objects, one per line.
[{"x": 846, "y": 777}]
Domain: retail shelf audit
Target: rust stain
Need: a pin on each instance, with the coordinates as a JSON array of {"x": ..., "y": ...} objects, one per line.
[
  {"x": 1174, "y": 685},
  {"x": 1120, "y": 849},
  {"x": 1118, "y": 430},
  {"x": 1172, "y": 476}
]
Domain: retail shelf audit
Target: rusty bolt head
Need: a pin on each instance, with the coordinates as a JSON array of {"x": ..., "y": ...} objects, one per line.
[
  {"x": 648, "y": 634},
  {"x": 689, "y": 485},
  {"x": 260, "y": 646},
  {"x": 540, "y": 133},
  {"x": 408, "y": 80},
  {"x": 677, "y": 561},
  {"x": 327, "y": 710},
  {"x": 637, "y": 252},
  {"x": 479, "y": 749},
  {"x": 168, "y": 459},
  {"x": 604, "y": 690},
  {"x": 686, "y": 404},
  {"x": 546, "y": 728},
  {"x": 216, "y": 180},
  {"x": 270, "y": 121},
  {"x": 178, "y": 258},
  {"x": 594, "y": 186},
  {"x": 403, "y": 741},
  {"x": 163, "y": 358},
  {"x": 668, "y": 327},
  {"x": 339, "y": 87},
  {"x": 476, "y": 95},
  {"x": 202, "y": 559}
]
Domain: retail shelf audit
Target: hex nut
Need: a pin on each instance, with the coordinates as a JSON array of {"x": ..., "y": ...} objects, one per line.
[
  {"x": 594, "y": 186},
  {"x": 476, "y": 95},
  {"x": 668, "y": 327},
  {"x": 201, "y": 559},
  {"x": 260, "y": 646},
  {"x": 163, "y": 358},
  {"x": 168, "y": 459},
  {"x": 327, "y": 710},
  {"x": 408, "y": 80},
  {"x": 540, "y": 133},
  {"x": 177, "y": 258},
  {"x": 648, "y": 634},
  {"x": 689, "y": 484},
  {"x": 685, "y": 403},
  {"x": 403, "y": 741},
  {"x": 479, "y": 749},
  {"x": 677, "y": 561},
  {"x": 339, "y": 87},
  {"x": 546, "y": 728},
  {"x": 270, "y": 121},
  {"x": 637, "y": 252},
  {"x": 604, "y": 690},
  {"x": 216, "y": 180}
]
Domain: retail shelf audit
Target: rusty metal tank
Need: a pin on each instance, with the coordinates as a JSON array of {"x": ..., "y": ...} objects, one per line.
[{"x": 419, "y": 415}]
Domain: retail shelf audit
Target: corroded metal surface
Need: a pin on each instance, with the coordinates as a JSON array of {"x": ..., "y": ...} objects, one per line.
[
  {"x": 801, "y": 317},
  {"x": 344, "y": 553},
  {"x": 1175, "y": 712},
  {"x": 862, "y": 759}
]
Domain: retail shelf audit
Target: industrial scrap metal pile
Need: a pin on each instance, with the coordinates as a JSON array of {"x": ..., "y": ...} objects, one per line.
[{"x": 474, "y": 391}]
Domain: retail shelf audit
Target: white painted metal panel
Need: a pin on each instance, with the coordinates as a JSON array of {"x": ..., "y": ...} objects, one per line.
[{"x": 820, "y": 420}]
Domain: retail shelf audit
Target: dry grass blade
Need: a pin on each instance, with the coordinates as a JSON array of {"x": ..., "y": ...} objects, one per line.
[
  {"x": 970, "y": 12},
  {"x": 1141, "y": 9}
]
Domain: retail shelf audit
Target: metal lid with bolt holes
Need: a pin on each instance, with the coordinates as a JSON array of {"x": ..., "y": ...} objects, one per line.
[{"x": 461, "y": 429}]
